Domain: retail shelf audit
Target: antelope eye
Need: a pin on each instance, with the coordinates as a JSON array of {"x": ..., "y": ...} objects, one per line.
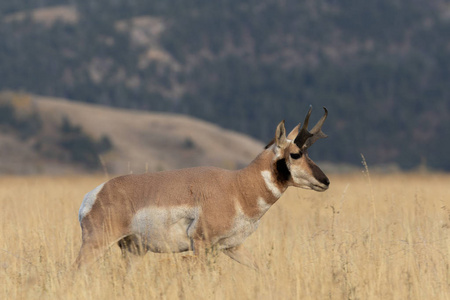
[{"x": 296, "y": 155}]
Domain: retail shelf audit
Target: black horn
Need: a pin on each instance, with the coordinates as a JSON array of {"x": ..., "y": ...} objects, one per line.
[
  {"x": 306, "y": 138},
  {"x": 317, "y": 132},
  {"x": 304, "y": 134}
]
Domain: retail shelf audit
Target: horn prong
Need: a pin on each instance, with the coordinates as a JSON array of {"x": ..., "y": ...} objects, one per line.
[
  {"x": 319, "y": 124},
  {"x": 317, "y": 132},
  {"x": 305, "y": 123},
  {"x": 306, "y": 138}
]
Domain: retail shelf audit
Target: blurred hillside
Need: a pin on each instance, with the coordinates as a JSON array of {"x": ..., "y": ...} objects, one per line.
[
  {"x": 57, "y": 136},
  {"x": 382, "y": 68}
]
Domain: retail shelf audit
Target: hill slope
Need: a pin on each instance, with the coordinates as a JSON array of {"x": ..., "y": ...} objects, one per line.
[{"x": 142, "y": 141}]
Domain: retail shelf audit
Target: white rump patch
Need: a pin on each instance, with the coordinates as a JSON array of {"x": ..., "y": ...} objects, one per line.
[
  {"x": 267, "y": 176},
  {"x": 88, "y": 202}
]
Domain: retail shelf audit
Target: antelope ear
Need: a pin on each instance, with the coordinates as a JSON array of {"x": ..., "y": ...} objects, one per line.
[
  {"x": 293, "y": 134},
  {"x": 280, "y": 135}
]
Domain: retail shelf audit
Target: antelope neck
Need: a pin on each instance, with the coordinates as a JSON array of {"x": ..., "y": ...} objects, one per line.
[{"x": 260, "y": 179}]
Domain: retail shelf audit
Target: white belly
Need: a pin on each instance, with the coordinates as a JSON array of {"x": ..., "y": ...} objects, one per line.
[
  {"x": 169, "y": 229},
  {"x": 164, "y": 229}
]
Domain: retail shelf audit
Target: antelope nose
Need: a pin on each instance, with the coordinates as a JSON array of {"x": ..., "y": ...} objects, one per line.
[{"x": 326, "y": 181}]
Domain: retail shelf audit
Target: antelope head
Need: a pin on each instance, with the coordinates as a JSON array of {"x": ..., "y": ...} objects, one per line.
[{"x": 291, "y": 155}]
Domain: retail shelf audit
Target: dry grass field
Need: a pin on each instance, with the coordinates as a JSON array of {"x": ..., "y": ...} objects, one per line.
[{"x": 367, "y": 237}]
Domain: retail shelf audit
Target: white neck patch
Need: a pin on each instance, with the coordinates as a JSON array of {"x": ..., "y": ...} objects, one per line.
[
  {"x": 263, "y": 205},
  {"x": 267, "y": 176}
]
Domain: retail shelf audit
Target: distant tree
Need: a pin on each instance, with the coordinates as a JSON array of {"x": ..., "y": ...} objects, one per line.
[{"x": 80, "y": 147}]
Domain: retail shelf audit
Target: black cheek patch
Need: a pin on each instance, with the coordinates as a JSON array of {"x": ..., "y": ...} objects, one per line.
[{"x": 282, "y": 172}]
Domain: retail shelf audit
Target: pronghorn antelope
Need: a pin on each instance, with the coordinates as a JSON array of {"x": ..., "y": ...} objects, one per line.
[{"x": 198, "y": 208}]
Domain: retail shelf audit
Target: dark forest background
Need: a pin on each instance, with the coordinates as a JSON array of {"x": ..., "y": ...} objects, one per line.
[{"x": 382, "y": 67}]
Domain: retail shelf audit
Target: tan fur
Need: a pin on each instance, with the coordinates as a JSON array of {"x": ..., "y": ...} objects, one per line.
[{"x": 190, "y": 209}]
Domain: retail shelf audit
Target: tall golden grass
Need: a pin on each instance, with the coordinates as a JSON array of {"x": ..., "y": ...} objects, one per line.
[{"x": 384, "y": 237}]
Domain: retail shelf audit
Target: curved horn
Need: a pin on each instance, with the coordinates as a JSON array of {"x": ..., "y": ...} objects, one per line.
[
  {"x": 304, "y": 134},
  {"x": 317, "y": 128},
  {"x": 305, "y": 123},
  {"x": 317, "y": 132}
]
